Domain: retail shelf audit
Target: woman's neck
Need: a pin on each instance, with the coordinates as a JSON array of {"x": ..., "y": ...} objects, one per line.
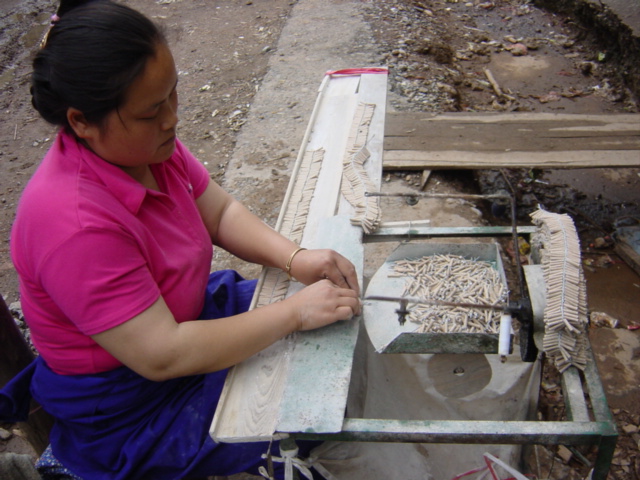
[{"x": 143, "y": 175}]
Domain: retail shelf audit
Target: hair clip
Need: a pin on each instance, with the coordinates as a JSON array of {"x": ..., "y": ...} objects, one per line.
[{"x": 54, "y": 19}]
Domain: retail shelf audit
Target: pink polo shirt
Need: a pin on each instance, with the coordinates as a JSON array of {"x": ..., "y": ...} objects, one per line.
[{"x": 94, "y": 248}]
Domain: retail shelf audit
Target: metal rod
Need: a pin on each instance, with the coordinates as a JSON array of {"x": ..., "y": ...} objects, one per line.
[
  {"x": 514, "y": 236},
  {"x": 400, "y": 231},
  {"x": 576, "y": 405},
  {"x": 441, "y": 303},
  {"x": 606, "y": 450},
  {"x": 469, "y": 431},
  {"x": 597, "y": 395},
  {"x": 493, "y": 196}
]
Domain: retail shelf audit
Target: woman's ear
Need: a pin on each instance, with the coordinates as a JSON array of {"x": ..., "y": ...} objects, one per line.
[{"x": 82, "y": 128}]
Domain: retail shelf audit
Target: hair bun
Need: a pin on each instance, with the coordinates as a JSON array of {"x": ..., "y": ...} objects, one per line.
[{"x": 90, "y": 58}]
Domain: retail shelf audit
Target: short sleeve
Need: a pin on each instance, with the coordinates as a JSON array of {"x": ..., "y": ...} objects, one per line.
[{"x": 99, "y": 279}]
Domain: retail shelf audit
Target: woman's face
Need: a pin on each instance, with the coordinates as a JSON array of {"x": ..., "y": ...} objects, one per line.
[{"x": 142, "y": 131}]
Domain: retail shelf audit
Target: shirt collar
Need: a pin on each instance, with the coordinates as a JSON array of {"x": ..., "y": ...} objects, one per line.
[{"x": 127, "y": 190}]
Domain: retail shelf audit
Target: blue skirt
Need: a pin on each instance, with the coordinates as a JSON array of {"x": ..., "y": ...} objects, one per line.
[{"x": 118, "y": 425}]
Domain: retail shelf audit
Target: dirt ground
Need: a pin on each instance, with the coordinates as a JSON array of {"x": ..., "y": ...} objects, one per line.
[{"x": 248, "y": 76}]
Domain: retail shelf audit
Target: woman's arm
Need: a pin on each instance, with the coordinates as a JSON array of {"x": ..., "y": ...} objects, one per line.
[
  {"x": 158, "y": 348},
  {"x": 233, "y": 227}
]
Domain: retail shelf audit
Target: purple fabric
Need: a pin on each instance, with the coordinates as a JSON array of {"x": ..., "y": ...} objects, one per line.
[
  {"x": 118, "y": 425},
  {"x": 15, "y": 397}
]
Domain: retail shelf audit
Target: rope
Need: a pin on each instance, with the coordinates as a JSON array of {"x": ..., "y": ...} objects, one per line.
[{"x": 291, "y": 461}]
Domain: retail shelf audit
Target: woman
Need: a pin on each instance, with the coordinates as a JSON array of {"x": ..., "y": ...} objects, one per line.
[{"x": 113, "y": 246}]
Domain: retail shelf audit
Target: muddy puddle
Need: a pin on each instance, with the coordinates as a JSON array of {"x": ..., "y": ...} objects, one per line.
[{"x": 536, "y": 60}]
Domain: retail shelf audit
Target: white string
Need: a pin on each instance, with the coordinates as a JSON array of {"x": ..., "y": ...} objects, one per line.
[
  {"x": 290, "y": 460},
  {"x": 509, "y": 469}
]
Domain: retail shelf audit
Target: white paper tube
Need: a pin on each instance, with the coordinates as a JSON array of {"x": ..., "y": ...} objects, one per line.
[{"x": 504, "y": 338}]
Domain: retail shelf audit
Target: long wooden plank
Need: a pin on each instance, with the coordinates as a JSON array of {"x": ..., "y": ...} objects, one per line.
[
  {"x": 521, "y": 132},
  {"x": 315, "y": 395},
  {"x": 247, "y": 409},
  {"x": 433, "y": 160},
  {"x": 261, "y": 392},
  {"x": 316, "y": 391},
  {"x": 421, "y": 140}
]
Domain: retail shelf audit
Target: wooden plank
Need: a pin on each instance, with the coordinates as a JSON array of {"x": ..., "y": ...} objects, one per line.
[
  {"x": 420, "y": 160},
  {"x": 330, "y": 133},
  {"x": 247, "y": 409},
  {"x": 629, "y": 255},
  {"x": 424, "y": 179},
  {"x": 315, "y": 395},
  {"x": 420, "y": 140},
  {"x": 262, "y": 391},
  {"x": 521, "y": 132},
  {"x": 320, "y": 369},
  {"x": 577, "y": 410},
  {"x": 628, "y": 246}
]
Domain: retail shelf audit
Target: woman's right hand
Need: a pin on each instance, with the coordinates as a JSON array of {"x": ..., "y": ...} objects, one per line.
[
  {"x": 323, "y": 303},
  {"x": 194, "y": 347}
]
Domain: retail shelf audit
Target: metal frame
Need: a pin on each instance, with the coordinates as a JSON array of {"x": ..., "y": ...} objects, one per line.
[{"x": 594, "y": 426}]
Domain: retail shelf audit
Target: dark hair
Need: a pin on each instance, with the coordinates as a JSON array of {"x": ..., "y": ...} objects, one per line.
[{"x": 92, "y": 54}]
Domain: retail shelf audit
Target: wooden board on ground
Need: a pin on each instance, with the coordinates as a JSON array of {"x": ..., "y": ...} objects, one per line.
[
  {"x": 300, "y": 383},
  {"x": 628, "y": 246},
  {"x": 510, "y": 140}
]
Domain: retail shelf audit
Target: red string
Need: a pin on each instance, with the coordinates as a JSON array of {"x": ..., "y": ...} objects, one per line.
[
  {"x": 493, "y": 473},
  {"x": 491, "y": 470},
  {"x": 357, "y": 71},
  {"x": 470, "y": 472}
]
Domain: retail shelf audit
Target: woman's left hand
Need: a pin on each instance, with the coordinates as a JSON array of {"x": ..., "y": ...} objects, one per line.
[{"x": 310, "y": 266}]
